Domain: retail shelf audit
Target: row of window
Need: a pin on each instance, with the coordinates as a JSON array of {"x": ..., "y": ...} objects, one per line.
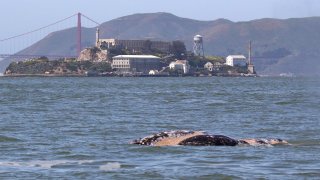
[
  {"x": 121, "y": 66},
  {"x": 120, "y": 62}
]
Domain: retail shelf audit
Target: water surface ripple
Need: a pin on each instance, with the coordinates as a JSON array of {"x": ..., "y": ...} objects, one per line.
[{"x": 79, "y": 128}]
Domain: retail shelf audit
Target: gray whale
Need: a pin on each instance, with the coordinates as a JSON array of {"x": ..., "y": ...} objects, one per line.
[{"x": 200, "y": 138}]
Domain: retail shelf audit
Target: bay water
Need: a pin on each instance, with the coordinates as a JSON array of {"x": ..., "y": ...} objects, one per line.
[{"x": 80, "y": 127}]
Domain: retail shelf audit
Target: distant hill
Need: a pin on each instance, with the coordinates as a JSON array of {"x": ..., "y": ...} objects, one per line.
[{"x": 279, "y": 46}]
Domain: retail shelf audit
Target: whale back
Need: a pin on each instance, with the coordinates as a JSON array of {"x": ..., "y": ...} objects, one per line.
[
  {"x": 201, "y": 138},
  {"x": 166, "y": 138},
  {"x": 209, "y": 140},
  {"x": 262, "y": 141}
]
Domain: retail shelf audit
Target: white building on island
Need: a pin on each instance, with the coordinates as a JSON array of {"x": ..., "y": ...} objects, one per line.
[
  {"x": 236, "y": 60},
  {"x": 135, "y": 63},
  {"x": 180, "y": 65},
  {"x": 208, "y": 66}
]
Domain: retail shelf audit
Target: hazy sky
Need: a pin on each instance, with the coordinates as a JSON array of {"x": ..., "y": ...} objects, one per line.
[{"x": 18, "y": 16}]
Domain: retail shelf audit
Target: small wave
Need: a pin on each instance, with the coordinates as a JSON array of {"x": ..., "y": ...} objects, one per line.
[
  {"x": 305, "y": 142},
  {"x": 77, "y": 156},
  {"x": 42, "y": 164},
  {"x": 8, "y": 139},
  {"x": 283, "y": 103},
  {"x": 110, "y": 166},
  {"x": 50, "y": 164},
  {"x": 215, "y": 102},
  {"x": 262, "y": 145}
]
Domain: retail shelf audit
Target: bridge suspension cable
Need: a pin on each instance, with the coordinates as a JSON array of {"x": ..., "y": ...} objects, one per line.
[
  {"x": 23, "y": 34},
  {"x": 90, "y": 19},
  {"x": 10, "y": 47}
]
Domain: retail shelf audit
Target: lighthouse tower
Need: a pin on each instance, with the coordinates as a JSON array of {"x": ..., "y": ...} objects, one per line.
[
  {"x": 250, "y": 65},
  {"x": 97, "y": 37}
]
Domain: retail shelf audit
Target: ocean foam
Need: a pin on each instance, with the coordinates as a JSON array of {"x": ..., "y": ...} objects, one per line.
[
  {"x": 42, "y": 164},
  {"x": 110, "y": 166}
]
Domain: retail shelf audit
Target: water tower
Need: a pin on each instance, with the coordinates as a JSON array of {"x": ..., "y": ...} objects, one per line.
[{"x": 198, "y": 45}]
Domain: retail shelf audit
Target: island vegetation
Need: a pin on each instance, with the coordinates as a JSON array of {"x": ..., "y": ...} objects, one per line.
[
  {"x": 93, "y": 65},
  {"x": 62, "y": 67}
]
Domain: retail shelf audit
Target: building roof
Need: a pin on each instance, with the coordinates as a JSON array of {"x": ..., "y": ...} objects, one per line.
[
  {"x": 137, "y": 56},
  {"x": 179, "y": 62},
  {"x": 237, "y": 56}
]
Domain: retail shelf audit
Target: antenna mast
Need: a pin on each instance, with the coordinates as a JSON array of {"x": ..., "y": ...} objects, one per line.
[{"x": 249, "y": 53}]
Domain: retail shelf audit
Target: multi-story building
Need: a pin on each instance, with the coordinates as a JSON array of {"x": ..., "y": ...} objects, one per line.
[
  {"x": 134, "y": 44},
  {"x": 236, "y": 60},
  {"x": 215, "y": 66},
  {"x": 135, "y": 63},
  {"x": 182, "y": 65}
]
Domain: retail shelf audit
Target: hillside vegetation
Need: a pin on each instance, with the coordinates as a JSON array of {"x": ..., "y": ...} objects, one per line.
[{"x": 42, "y": 66}]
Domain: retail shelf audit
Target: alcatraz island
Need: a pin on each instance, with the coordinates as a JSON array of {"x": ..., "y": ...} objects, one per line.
[{"x": 138, "y": 58}]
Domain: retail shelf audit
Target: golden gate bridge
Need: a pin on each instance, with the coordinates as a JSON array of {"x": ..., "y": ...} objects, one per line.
[
  {"x": 8, "y": 45},
  {"x": 8, "y": 49}
]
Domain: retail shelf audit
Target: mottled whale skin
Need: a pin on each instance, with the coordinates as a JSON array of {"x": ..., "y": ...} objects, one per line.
[
  {"x": 176, "y": 136},
  {"x": 200, "y": 138}
]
